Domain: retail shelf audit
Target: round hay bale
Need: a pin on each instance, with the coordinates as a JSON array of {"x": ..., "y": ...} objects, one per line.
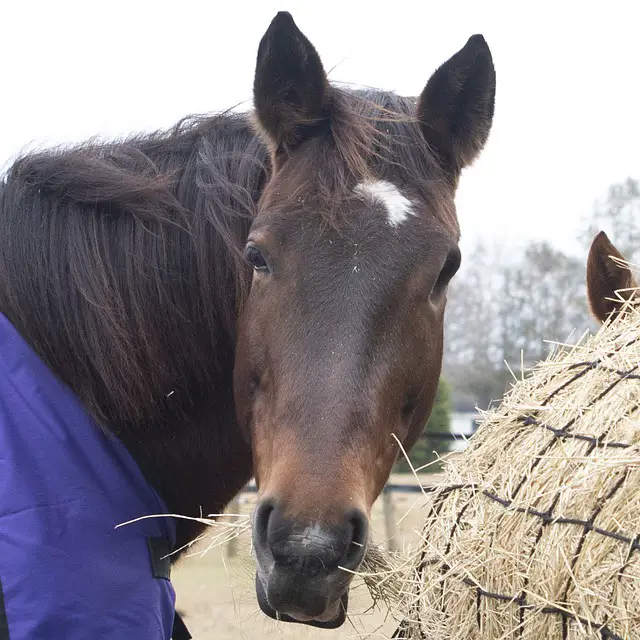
[{"x": 535, "y": 532}]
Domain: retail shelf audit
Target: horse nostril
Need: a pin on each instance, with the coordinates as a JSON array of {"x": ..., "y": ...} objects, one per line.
[
  {"x": 261, "y": 524},
  {"x": 359, "y": 535},
  {"x": 360, "y": 528}
]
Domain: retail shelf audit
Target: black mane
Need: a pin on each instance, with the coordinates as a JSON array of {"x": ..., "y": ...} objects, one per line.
[{"x": 121, "y": 263}]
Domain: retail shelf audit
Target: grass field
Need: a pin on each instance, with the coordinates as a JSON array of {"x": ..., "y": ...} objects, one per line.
[{"x": 217, "y": 595}]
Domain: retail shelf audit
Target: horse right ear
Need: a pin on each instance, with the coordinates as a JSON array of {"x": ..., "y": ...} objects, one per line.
[
  {"x": 290, "y": 89},
  {"x": 609, "y": 284},
  {"x": 456, "y": 107}
]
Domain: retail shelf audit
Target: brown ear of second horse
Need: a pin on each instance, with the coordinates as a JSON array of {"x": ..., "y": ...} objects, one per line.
[{"x": 609, "y": 284}]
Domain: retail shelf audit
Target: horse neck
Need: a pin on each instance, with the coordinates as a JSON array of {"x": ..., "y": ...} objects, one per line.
[
  {"x": 202, "y": 461},
  {"x": 198, "y": 464}
]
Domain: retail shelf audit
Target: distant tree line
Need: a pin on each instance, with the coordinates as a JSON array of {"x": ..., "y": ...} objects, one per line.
[{"x": 503, "y": 311}]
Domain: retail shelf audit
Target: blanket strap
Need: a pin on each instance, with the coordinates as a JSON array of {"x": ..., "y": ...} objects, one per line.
[
  {"x": 160, "y": 548},
  {"x": 4, "y": 623}
]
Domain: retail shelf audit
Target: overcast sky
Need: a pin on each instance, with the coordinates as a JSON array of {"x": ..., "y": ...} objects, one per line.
[{"x": 567, "y": 107}]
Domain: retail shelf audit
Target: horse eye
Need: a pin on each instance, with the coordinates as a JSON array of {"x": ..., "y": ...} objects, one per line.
[
  {"x": 449, "y": 269},
  {"x": 256, "y": 259}
]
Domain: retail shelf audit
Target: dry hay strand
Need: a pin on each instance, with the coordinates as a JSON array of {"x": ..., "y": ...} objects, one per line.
[
  {"x": 535, "y": 531},
  {"x": 221, "y": 529},
  {"x": 379, "y": 571}
]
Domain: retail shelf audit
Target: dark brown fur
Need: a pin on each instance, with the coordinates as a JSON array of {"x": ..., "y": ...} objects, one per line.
[{"x": 609, "y": 284}]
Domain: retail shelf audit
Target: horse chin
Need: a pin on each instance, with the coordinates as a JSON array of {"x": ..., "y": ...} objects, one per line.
[{"x": 332, "y": 618}]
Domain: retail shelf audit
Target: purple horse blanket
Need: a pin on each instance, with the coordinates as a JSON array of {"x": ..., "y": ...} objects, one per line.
[{"x": 66, "y": 571}]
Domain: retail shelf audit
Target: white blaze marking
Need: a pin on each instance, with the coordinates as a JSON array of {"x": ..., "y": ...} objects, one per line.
[{"x": 397, "y": 206}]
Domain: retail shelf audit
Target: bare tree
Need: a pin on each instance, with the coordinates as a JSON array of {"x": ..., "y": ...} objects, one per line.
[
  {"x": 500, "y": 312},
  {"x": 502, "y": 309},
  {"x": 550, "y": 298},
  {"x": 618, "y": 213}
]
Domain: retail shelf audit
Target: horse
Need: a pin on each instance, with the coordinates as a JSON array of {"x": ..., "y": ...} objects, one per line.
[{"x": 258, "y": 295}]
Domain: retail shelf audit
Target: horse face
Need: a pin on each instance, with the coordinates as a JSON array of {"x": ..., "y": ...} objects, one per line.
[{"x": 340, "y": 341}]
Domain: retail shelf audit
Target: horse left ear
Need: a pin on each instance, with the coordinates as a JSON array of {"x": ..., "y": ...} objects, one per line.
[
  {"x": 290, "y": 89},
  {"x": 609, "y": 284},
  {"x": 456, "y": 107}
]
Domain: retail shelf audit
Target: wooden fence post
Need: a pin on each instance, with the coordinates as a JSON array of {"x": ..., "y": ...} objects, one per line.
[{"x": 389, "y": 519}]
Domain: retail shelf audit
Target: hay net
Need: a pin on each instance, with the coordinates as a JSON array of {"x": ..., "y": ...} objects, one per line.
[{"x": 535, "y": 532}]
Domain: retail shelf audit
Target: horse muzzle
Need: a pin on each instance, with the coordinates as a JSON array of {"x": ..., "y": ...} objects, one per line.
[{"x": 304, "y": 569}]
